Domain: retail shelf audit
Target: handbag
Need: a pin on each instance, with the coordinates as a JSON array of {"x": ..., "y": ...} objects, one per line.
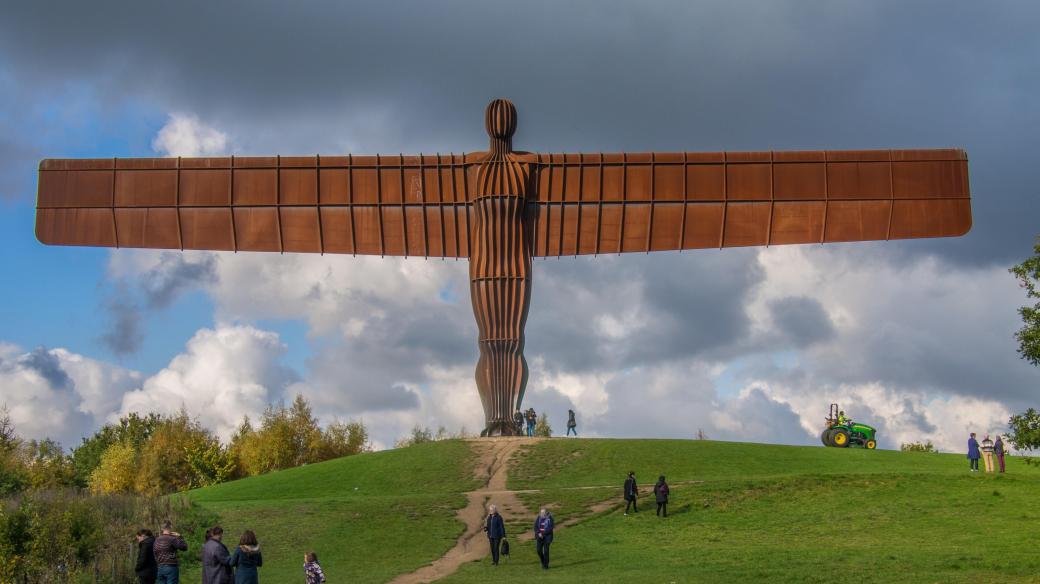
[{"x": 505, "y": 547}]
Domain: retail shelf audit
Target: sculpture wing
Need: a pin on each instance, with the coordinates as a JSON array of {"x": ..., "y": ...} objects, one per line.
[
  {"x": 371, "y": 205},
  {"x": 614, "y": 203}
]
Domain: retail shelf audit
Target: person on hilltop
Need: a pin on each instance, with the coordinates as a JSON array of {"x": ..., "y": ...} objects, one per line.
[
  {"x": 987, "y": 453},
  {"x": 631, "y": 492},
  {"x": 973, "y": 453},
  {"x": 532, "y": 419},
  {"x": 998, "y": 449},
  {"x": 312, "y": 569},
  {"x": 165, "y": 550},
  {"x": 146, "y": 568},
  {"x": 661, "y": 493},
  {"x": 496, "y": 531},
  {"x": 247, "y": 559},
  {"x": 518, "y": 420},
  {"x": 543, "y": 534},
  {"x": 215, "y": 559},
  {"x": 572, "y": 425}
]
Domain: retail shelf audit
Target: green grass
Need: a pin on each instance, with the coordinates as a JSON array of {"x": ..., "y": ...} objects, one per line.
[
  {"x": 748, "y": 512},
  {"x": 369, "y": 517},
  {"x": 777, "y": 514}
]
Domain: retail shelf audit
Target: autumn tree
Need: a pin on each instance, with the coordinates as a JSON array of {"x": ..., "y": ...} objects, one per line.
[
  {"x": 116, "y": 472},
  {"x": 542, "y": 427},
  {"x": 133, "y": 429},
  {"x": 164, "y": 464},
  {"x": 1028, "y": 337}
]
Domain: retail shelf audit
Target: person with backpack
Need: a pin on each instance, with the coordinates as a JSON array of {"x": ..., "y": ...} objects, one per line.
[
  {"x": 998, "y": 449},
  {"x": 165, "y": 549},
  {"x": 146, "y": 568},
  {"x": 496, "y": 531},
  {"x": 215, "y": 559},
  {"x": 631, "y": 492},
  {"x": 572, "y": 426},
  {"x": 987, "y": 453},
  {"x": 661, "y": 493},
  {"x": 543, "y": 534},
  {"x": 247, "y": 559},
  {"x": 518, "y": 421},
  {"x": 312, "y": 569},
  {"x": 973, "y": 453},
  {"x": 532, "y": 419}
]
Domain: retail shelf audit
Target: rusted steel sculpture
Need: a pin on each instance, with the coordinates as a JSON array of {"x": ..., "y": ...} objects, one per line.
[{"x": 500, "y": 208}]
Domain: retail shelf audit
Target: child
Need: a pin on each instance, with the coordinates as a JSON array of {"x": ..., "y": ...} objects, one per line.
[{"x": 312, "y": 569}]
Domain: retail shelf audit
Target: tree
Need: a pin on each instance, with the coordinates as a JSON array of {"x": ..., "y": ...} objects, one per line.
[
  {"x": 1028, "y": 337},
  {"x": 46, "y": 465},
  {"x": 132, "y": 429},
  {"x": 542, "y": 427},
  {"x": 163, "y": 465},
  {"x": 1025, "y": 430},
  {"x": 918, "y": 447},
  {"x": 117, "y": 470}
]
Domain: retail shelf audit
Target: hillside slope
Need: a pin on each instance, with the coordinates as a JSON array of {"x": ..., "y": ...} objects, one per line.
[{"x": 738, "y": 512}]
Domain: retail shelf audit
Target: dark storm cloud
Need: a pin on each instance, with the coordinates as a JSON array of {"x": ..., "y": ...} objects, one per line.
[
  {"x": 587, "y": 76},
  {"x": 47, "y": 365},
  {"x": 175, "y": 274},
  {"x": 124, "y": 334},
  {"x": 802, "y": 320}
]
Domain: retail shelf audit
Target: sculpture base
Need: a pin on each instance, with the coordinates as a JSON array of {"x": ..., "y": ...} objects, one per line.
[{"x": 502, "y": 429}]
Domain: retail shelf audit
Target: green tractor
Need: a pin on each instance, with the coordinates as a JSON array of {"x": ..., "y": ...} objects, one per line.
[{"x": 849, "y": 433}]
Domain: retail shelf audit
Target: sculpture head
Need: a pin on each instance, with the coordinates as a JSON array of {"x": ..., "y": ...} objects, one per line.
[{"x": 500, "y": 123}]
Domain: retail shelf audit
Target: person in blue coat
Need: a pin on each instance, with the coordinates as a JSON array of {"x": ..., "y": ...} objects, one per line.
[
  {"x": 247, "y": 559},
  {"x": 543, "y": 535},
  {"x": 496, "y": 531},
  {"x": 973, "y": 453}
]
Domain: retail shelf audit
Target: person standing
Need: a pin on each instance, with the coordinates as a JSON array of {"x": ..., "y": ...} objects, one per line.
[
  {"x": 661, "y": 493},
  {"x": 532, "y": 419},
  {"x": 165, "y": 549},
  {"x": 543, "y": 534},
  {"x": 215, "y": 559},
  {"x": 987, "y": 453},
  {"x": 247, "y": 559},
  {"x": 998, "y": 449},
  {"x": 518, "y": 420},
  {"x": 973, "y": 453},
  {"x": 146, "y": 568},
  {"x": 496, "y": 531},
  {"x": 312, "y": 569},
  {"x": 572, "y": 426},
  {"x": 631, "y": 492}
]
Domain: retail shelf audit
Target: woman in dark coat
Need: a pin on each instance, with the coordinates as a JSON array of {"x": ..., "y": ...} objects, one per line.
[
  {"x": 146, "y": 568},
  {"x": 661, "y": 492},
  {"x": 973, "y": 453},
  {"x": 631, "y": 492},
  {"x": 247, "y": 559},
  {"x": 496, "y": 532}
]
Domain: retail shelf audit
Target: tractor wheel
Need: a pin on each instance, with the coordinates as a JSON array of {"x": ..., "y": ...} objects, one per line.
[
  {"x": 840, "y": 437},
  {"x": 871, "y": 445},
  {"x": 825, "y": 437}
]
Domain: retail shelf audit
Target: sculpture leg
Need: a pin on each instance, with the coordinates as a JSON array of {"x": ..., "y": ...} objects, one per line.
[{"x": 500, "y": 289}]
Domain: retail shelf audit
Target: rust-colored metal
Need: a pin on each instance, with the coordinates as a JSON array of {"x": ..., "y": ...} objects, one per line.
[{"x": 500, "y": 208}]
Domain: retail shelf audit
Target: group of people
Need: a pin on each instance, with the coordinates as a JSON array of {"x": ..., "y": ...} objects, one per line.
[
  {"x": 631, "y": 493},
  {"x": 986, "y": 452},
  {"x": 157, "y": 561},
  {"x": 495, "y": 526},
  {"x": 527, "y": 420}
]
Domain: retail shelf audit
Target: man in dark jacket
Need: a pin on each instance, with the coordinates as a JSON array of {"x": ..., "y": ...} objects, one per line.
[
  {"x": 215, "y": 558},
  {"x": 146, "y": 569},
  {"x": 518, "y": 419},
  {"x": 532, "y": 421},
  {"x": 973, "y": 453},
  {"x": 631, "y": 492},
  {"x": 998, "y": 449},
  {"x": 496, "y": 531},
  {"x": 661, "y": 493},
  {"x": 543, "y": 535},
  {"x": 166, "y": 546}
]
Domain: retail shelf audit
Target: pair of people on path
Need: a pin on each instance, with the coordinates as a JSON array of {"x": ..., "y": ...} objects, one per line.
[
  {"x": 543, "y": 533},
  {"x": 532, "y": 419},
  {"x": 631, "y": 492},
  {"x": 985, "y": 451}
]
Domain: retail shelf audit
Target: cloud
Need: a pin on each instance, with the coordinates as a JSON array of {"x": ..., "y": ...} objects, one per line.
[
  {"x": 223, "y": 374},
  {"x": 185, "y": 135},
  {"x": 124, "y": 334}
]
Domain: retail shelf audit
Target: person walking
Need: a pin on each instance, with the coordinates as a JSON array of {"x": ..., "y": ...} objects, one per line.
[
  {"x": 973, "y": 453},
  {"x": 146, "y": 568},
  {"x": 165, "y": 550},
  {"x": 998, "y": 449},
  {"x": 532, "y": 419},
  {"x": 247, "y": 559},
  {"x": 572, "y": 426},
  {"x": 631, "y": 492},
  {"x": 496, "y": 531},
  {"x": 661, "y": 493},
  {"x": 312, "y": 569},
  {"x": 543, "y": 534},
  {"x": 215, "y": 559},
  {"x": 987, "y": 453}
]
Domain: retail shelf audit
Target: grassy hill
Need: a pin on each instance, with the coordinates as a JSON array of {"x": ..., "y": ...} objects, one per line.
[{"x": 738, "y": 512}]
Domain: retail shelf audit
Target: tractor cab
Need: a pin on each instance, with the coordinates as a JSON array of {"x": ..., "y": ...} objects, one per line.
[{"x": 841, "y": 432}]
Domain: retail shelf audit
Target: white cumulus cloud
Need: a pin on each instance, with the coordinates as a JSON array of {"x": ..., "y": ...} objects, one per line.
[{"x": 186, "y": 135}]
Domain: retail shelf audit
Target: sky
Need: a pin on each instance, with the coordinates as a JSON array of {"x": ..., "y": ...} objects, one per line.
[{"x": 913, "y": 337}]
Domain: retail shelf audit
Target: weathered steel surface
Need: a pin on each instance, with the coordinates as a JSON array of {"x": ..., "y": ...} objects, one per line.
[{"x": 500, "y": 208}]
